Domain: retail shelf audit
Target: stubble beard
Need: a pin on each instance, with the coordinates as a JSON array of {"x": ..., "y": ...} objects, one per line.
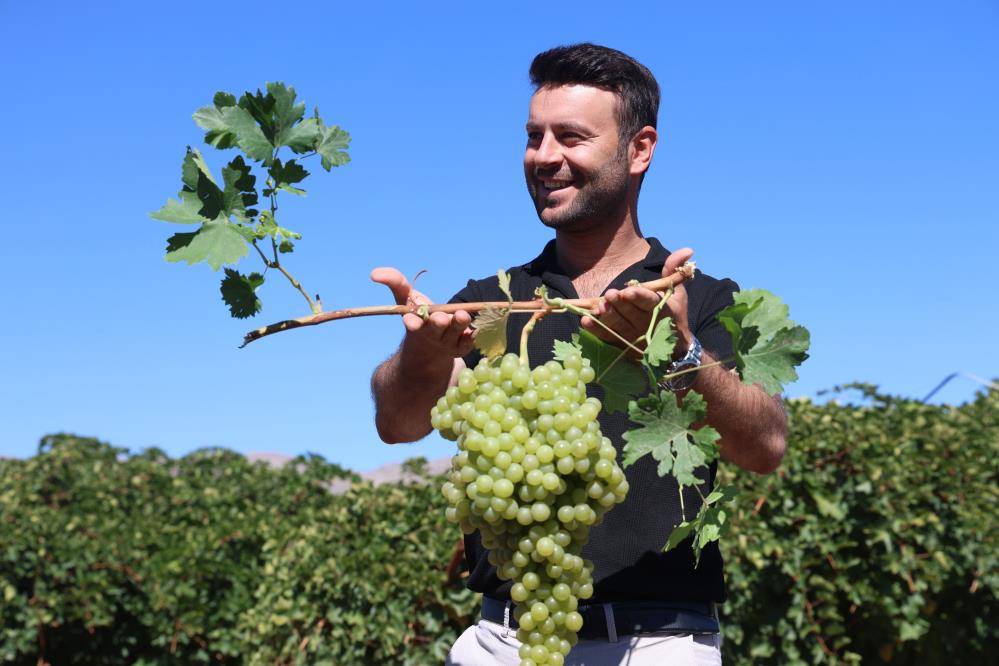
[{"x": 600, "y": 199}]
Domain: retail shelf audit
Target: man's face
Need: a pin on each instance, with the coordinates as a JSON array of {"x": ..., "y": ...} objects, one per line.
[{"x": 575, "y": 165}]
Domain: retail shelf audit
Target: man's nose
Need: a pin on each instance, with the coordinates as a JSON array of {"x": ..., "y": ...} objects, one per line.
[{"x": 548, "y": 154}]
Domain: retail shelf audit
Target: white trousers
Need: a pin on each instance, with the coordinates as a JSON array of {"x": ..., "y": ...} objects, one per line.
[{"x": 489, "y": 644}]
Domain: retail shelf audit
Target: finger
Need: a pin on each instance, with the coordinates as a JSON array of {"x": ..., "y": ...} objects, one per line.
[
  {"x": 459, "y": 322},
  {"x": 394, "y": 280},
  {"x": 641, "y": 298},
  {"x": 412, "y": 322},
  {"x": 677, "y": 259},
  {"x": 627, "y": 319},
  {"x": 437, "y": 324},
  {"x": 466, "y": 343}
]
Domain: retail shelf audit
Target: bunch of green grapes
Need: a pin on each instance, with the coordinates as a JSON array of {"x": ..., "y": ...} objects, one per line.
[{"x": 533, "y": 474}]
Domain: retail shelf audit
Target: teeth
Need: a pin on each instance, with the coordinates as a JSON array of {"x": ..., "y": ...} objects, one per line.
[{"x": 556, "y": 184}]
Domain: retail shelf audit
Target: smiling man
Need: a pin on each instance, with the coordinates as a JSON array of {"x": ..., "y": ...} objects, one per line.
[{"x": 591, "y": 136}]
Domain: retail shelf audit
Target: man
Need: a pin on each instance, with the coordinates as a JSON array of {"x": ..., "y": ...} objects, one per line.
[{"x": 591, "y": 136}]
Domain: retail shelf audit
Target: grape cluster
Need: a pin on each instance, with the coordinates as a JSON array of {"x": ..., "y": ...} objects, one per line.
[{"x": 533, "y": 474}]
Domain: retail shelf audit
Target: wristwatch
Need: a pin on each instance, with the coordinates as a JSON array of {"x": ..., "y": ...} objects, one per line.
[{"x": 691, "y": 360}]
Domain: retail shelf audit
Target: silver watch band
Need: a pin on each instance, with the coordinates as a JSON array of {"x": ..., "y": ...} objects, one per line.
[{"x": 692, "y": 359}]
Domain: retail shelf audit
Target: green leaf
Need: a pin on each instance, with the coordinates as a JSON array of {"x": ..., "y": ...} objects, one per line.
[
  {"x": 248, "y": 133},
  {"x": 620, "y": 378},
  {"x": 286, "y": 111},
  {"x": 286, "y": 247},
  {"x": 563, "y": 349},
  {"x": 223, "y": 99},
  {"x": 660, "y": 346},
  {"x": 490, "y": 331},
  {"x": 772, "y": 363},
  {"x": 285, "y": 175},
  {"x": 260, "y": 106},
  {"x": 267, "y": 226},
  {"x": 333, "y": 147},
  {"x": 678, "y": 535},
  {"x": 240, "y": 187},
  {"x": 217, "y": 242},
  {"x": 184, "y": 211},
  {"x": 240, "y": 293},
  {"x": 504, "y": 283},
  {"x": 210, "y": 196},
  {"x": 217, "y": 132},
  {"x": 193, "y": 169},
  {"x": 827, "y": 507},
  {"x": 303, "y": 137},
  {"x": 767, "y": 344},
  {"x": 665, "y": 431}
]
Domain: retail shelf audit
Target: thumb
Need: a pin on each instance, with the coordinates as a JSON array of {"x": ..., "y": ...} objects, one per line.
[
  {"x": 677, "y": 259},
  {"x": 394, "y": 280}
]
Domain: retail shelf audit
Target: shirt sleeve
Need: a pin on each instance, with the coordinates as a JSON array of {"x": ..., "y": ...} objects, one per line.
[
  {"x": 711, "y": 334},
  {"x": 469, "y": 294}
]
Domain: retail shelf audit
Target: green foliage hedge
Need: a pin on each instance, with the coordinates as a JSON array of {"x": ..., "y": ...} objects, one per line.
[{"x": 875, "y": 542}]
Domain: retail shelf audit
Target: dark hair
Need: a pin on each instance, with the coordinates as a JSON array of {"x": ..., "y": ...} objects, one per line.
[{"x": 601, "y": 67}]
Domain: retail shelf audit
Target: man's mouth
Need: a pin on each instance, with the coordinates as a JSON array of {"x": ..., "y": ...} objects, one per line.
[{"x": 556, "y": 184}]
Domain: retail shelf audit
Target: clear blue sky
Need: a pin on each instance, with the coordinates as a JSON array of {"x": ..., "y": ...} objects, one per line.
[{"x": 844, "y": 156}]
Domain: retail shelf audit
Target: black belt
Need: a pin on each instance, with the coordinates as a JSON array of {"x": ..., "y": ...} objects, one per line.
[{"x": 630, "y": 617}]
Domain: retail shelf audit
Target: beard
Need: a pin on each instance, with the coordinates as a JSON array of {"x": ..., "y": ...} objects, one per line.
[{"x": 599, "y": 198}]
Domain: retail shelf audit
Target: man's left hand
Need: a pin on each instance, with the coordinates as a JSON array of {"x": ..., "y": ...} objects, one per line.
[{"x": 628, "y": 311}]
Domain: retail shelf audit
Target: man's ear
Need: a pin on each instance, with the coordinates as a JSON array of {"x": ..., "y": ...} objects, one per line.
[{"x": 641, "y": 149}]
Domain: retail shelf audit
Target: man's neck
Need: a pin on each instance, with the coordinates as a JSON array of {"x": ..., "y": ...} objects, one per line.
[{"x": 604, "y": 249}]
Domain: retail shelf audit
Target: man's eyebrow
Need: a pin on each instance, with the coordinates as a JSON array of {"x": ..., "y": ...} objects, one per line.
[{"x": 569, "y": 125}]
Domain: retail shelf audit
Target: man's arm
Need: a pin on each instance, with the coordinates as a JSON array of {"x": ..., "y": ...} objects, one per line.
[
  {"x": 752, "y": 424},
  {"x": 407, "y": 385},
  {"x": 404, "y": 393}
]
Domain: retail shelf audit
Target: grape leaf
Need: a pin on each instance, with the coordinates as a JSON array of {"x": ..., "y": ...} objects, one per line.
[
  {"x": 563, "y": 349},
  {"x": 260, "y": 106},
  {"x": 285, "y": 175},
  {"x": 620, "y": 378},
  {"x": 210, "y": 196},
  {"x": 661, "y": 344},
  {"x": 217, "y": 242},
  {"x": 302, "y": 138},
  {"x": 286, "y": 247},
  {"x": 665, "y": 432},
  {"x": 490, "y": 331},
  {"x": 709, "y": 525},
  {"x": 333, "y": 147},
  {"x": 267, "y": 226},
  {"x": 184, "y": 211},
  {"x": 771, "y": 364},
  {"x": 767, "y": 344},
  {"x": 240, "y": 191},
  {"x": 193, "y": 169},
  {"x": 286, "y": 111},
  {"x": 240, "y": 293},
  {"x": 248, "y": 133},
  {"x": 504, "y": 283},
  {"x": 217, "y": 132}
]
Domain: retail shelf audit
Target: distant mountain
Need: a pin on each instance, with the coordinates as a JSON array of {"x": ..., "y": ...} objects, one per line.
[{"x": 390, "y": 473}]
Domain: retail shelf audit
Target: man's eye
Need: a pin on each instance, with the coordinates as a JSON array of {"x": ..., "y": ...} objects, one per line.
[{"x": 534, "y": 138}]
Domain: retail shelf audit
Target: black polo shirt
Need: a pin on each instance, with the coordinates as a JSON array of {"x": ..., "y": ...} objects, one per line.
[{"x": 626, "y": 548}]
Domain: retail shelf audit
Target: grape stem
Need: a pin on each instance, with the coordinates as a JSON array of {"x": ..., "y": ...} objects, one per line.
[
  {"x": 682, "y": 274},
  {"x": 526, "y": 332}
]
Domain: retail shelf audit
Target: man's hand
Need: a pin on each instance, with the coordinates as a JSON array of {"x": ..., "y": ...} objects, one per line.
[
  {"x": 441, "y": 336},
  {"x": 629, "y": 311}
]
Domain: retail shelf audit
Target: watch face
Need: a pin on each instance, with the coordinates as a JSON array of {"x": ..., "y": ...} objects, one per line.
[{"x": 684, "y": 381}]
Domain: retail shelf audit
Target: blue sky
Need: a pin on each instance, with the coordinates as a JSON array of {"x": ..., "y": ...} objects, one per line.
[{"x": 844, "y": 156}]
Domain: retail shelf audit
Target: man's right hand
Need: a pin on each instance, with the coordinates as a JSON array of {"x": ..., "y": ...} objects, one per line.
[{"x": 440, "y": 336}]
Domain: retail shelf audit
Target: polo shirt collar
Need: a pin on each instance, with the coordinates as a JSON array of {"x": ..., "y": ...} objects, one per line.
[{"x": 552, "y": 275}]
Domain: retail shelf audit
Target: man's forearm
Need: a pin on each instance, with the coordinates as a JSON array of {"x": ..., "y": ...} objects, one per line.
[
  {"x": 404, "y": 393},
  {"x": 752, "y": 425}
]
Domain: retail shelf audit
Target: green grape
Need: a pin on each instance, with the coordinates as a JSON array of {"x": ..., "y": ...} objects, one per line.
[{"x": 532, "y": 474}]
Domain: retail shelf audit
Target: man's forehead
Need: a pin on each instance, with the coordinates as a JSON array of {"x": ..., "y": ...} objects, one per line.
[{"x": 572, "y": 104}]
